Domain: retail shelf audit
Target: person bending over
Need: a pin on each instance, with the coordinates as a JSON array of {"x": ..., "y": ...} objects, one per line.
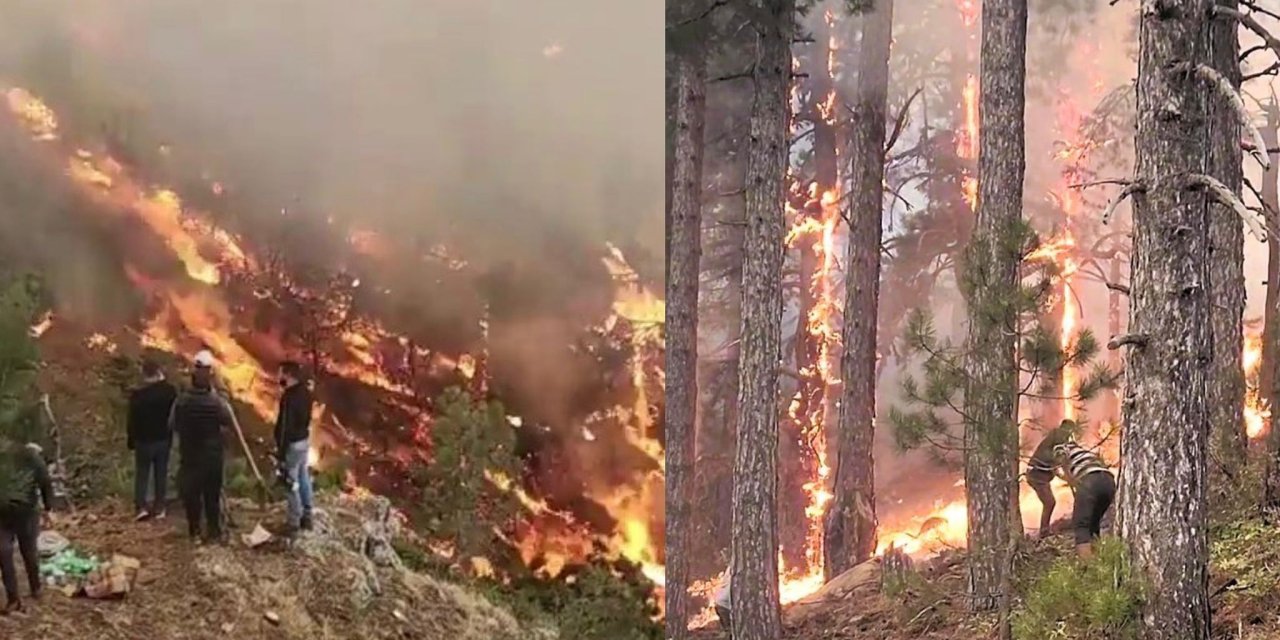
[{"x": 1091, "y": 480}]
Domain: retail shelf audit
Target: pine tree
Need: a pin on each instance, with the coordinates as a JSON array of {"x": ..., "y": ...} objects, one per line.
[
  {"x": 1162, "y": 510},
  {"x": 991, "y": 400},
  {"x": 756, "y": 612},
  {"x": 18, "y": 359},
  {"x": 850, "y": 533},
  {"x": 1226, "y": 252},
  {"x": 683, "y": 261}
]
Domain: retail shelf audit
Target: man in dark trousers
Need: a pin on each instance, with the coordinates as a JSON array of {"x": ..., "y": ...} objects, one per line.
[
  {"x": 293, "y": 443},
  {"x": 200, "y": 417},
  {"x": 20, "y": 518},
  {"x": 1091, "y": 480},
  {"x": 151, "y": 440}
]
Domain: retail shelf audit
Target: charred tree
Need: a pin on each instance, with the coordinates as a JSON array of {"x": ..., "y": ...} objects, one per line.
[
  {"x": 683, "y": 258},
  {"x": 1226, "y": 258},
  {"x": 989, "y": 282},
  {"x": 850, "y": 534},
  {"x": 1162, "y": 511},
  {"x": 754, "y": 580}
]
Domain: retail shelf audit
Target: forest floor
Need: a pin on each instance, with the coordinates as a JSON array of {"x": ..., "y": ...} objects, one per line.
[{"x": 1244, "y": 583}]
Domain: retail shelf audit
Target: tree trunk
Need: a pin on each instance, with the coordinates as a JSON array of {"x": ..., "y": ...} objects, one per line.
[
  {"x": 683, "y": 259},
  {"x": 1226, "y": 255},
  {"x": 1270, "y": 368},
  {"x": 850, "y": 536},
  {"x": 990, "y": 280},
  {"x": 1115, "y": 321},
  {"x": 1165, "y": 440},
  {"x": 756, "y": 613}
]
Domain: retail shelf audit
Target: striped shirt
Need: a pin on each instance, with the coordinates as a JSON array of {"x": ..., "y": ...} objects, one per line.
[{"x": 1076, "y": 461}]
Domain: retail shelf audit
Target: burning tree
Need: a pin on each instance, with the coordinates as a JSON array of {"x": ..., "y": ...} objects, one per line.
[{"x": 850, "y": 533}]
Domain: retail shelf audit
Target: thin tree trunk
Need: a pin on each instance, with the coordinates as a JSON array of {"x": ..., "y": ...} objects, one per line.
[
  {"x": 1226, "y": 254},
  {"x": 990, "y": 279},
  {"x": 1165, "y": 441},
  {"x": 683, "y": 259},
  {"x": 850, "y": 536},
  {"x": 1270, "y": 371},
  {"x": 754, "y": 580}
]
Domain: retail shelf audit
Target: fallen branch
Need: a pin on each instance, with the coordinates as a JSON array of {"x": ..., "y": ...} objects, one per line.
[
  {"x": 1224, "y": 196},
  {"x": 1228, "y": 93},
  {"x": 1128, "y": 190},
  {"x": 1128, "y": 339}
]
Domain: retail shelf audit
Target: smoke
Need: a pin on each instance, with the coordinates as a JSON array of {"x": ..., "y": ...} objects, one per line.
[{"x": 484, "y": 125}]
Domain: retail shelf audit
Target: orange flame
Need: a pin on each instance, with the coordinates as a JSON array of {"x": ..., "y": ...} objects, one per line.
[{"x": 1257, "y": 410}]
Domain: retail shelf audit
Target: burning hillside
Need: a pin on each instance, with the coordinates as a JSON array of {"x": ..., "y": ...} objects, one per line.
[{"x": 588, "y": 434}]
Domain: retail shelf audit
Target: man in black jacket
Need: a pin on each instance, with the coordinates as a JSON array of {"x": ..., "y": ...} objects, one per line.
[
  {"x": 293, "y": 443},
  {"x": 151, "y": 440},
  {"x": 200, "y": 417},
  {"x": 20, "y": 519}
]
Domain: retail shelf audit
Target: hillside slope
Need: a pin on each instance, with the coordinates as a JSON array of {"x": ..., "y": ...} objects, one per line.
[{"x": 342, "y": 581}]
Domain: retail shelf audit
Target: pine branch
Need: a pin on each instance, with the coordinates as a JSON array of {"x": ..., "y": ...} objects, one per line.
[
  {"x": 1250, "y": 23},
  {"x": 1138, "y": 340},
  {"x": 1114, "y": 203},
  {"x": 1224, "y": 196},
  {"x": 1227, "y": 92},
  {"x": 900, "y": 121}
]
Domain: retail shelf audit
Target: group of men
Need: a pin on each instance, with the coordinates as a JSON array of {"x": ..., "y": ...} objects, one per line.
[
  {"x": 1058, "y": 454},
  {"x": 202, "y": 419}
]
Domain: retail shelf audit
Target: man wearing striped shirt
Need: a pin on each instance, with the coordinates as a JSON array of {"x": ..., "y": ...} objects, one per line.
[{"x": 1091, "y": 480}]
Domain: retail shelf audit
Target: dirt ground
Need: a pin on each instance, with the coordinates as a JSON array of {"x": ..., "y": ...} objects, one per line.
[
  {"x": 932, "y": 608},
  {"x": 187, "y": 592}
]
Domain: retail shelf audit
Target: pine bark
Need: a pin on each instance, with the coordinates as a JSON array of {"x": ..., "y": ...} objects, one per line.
[
  {"x": 1226, "y": 256},
  {"x": 756, "y": 613},
  {"x": 1166, "y": 437},
  {"x": 1270, "y": 371},
  {"x": 684, "y": 254},
  {"x": 850, "y": 533},
  {"x": 991, "y": 278}
]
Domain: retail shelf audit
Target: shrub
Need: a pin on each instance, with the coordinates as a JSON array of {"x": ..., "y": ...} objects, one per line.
[{"x": 1095, "y": 599}]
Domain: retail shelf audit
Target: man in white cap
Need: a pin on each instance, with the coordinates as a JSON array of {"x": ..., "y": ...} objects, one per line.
[{"x": 200, "y": 418}]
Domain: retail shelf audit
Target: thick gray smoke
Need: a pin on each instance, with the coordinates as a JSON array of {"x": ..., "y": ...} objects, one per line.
[{"x": 487, "y": 124}]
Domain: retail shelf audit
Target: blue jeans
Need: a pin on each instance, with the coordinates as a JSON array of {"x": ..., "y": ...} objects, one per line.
[
  {"x": 295, "y": 461},
  {"x": 151, "y": 470}
]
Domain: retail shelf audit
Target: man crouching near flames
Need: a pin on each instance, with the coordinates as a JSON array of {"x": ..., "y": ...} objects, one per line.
[{"x": 1091, "y": 481}]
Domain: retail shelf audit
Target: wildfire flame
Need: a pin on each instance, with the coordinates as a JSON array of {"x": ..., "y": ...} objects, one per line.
[
  {"x": 195, "y": 315},
  {"x": 1257, "y": 410}
]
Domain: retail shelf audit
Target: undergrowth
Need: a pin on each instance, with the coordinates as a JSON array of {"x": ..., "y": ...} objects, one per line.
[
  {"x": 1245, "y": 549},
  {"x": 1095, "y": 599}
]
